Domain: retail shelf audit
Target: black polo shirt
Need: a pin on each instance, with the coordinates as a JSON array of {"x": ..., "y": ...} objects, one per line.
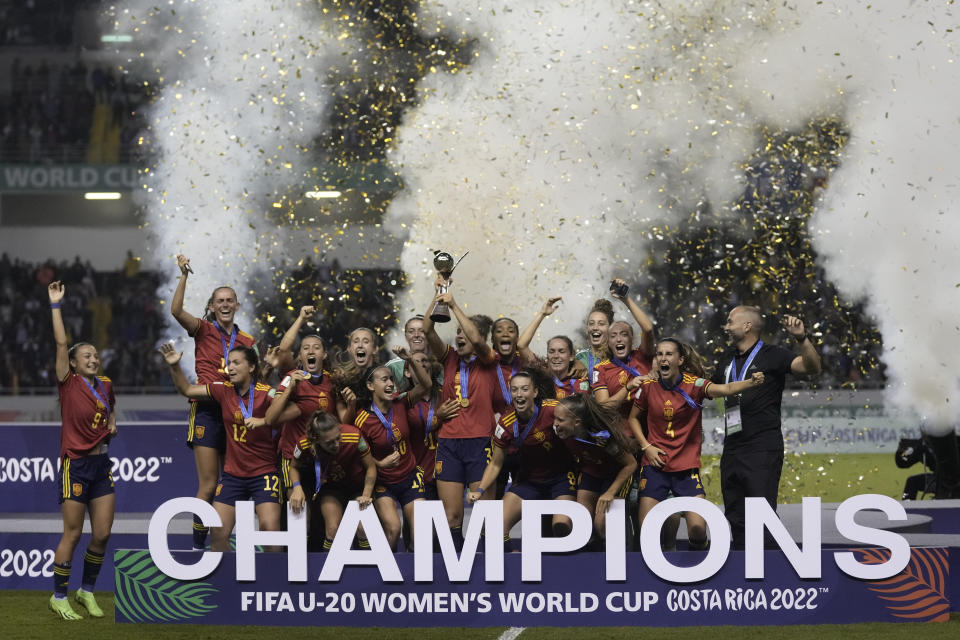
[{"x": 759, "y": 406}]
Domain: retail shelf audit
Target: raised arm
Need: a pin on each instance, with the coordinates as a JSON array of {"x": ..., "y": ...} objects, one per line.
[
  {"x": 733, "y": 388},
  {"x": 808, "y": 361},
  {"x": 184, "y": 388},
  {"x": 422, "y": 380},
  {"x": 647, "y": 342},
  {"x": 186, "y": 320},
  {"x": 56, "y": 291},
  {"x": 526, "y": 337}
]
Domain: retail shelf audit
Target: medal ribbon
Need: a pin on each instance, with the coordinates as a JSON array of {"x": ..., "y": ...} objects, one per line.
[
  {"x": 517, "y": 436},
  {"x": 103, "y": 400},
  {"x": 387, "y": 421},
  {"x": 738, "y": 376},
  {"x": 247, "y": 410},
  {"x": 507, "y": 396}
]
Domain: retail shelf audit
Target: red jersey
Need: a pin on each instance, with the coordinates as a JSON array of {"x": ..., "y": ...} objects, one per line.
[
  {"x": 542, "y": 455},
  {"x": 308, "y": 395},
  {"x": 211, "y": 348},
  {"x": 345, "y": 470},
  {"x": 423, "y": 444},
  {"x": 83, "y": 416},
  {"x": 250, "y": 452},
  {"x": 383, "y": 443},
  {"x": 599, "y": 461},
  {"x": 672, "y": 424},
  {"x": 476, "y": 420}
]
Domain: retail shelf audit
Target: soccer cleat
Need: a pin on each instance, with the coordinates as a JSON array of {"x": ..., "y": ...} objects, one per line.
[
  {"x": 63, "y": 609},
  {"x": 85, "y": 599}
]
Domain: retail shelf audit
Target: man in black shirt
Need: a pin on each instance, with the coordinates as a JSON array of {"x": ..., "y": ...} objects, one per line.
[{"x": 752, "y": 457}]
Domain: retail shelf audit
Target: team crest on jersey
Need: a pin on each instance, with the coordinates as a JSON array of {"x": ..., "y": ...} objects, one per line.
[
  {"x": 438, "y": 467},
  {"x": 200, "y": 431},
  {"x": 77, "y": 488}
]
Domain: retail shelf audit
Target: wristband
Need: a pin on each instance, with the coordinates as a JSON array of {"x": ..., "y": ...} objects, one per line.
[
  {"x": 296, "y": 484},
  {"x": 54, "y": 305}
]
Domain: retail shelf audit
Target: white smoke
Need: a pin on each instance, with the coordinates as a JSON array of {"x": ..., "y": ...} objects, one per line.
[{"x": 579, "y": 124}]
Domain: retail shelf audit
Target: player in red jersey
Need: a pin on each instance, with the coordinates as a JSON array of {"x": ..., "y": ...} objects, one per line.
[
  {"x": 468, "y": 378},
  {"x": 250, "y": 466},
  {"x": 546, "y": 469},
  {"x": 337, "y": 460},
  {"x": 592, "y": 433},
  {"x": 673, "y": 407},
  {"x": 89, "y": 420},
  {"x": 214, "y": 336},
  {"x": 383, "y": 424}
]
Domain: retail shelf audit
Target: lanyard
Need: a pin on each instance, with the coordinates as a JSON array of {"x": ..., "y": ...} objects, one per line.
[
  {"x": 517, "y": 436},
  {"x": 626, "y": 367},
  {"x": 247, "y": 410},
  {"x": 738, "y": 376},
  {"x": 387, "y": 421},
  {"x": 96, "y": 395},
  {"x": 507, "y": 396},
  {"x": 428, "y": 421},
  {"x": 686, "y": 398},
  {"x": 465, "y": 380},
  {"x": 603, "y": 435},
  {"x": 223, "y": 343}
]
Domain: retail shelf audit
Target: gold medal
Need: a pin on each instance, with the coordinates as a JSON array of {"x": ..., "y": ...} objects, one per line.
[{"x": 464, "y": 402}]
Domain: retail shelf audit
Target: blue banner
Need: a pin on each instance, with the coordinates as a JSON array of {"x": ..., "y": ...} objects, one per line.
[
  {"x": 151, "y": 464},
  {"x": 573, "y": 592}
]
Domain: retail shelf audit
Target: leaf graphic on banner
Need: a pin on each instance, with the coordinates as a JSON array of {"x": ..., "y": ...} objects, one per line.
[
  {"x": 145, "y": 594},
  {"x": 919, "y": 591}
]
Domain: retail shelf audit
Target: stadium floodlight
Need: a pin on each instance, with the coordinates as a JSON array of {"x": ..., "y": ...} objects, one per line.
[
  {"x": 102, "y": 195},
  {"x": 116, "y": 38},
  {"x": 322, "y": 194}
]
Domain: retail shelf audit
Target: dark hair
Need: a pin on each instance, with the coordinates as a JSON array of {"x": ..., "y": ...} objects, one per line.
[
  {"x": 605, "y": 307},
  {"x": 483, "y": 324},
  {"x": 596, "y": 417},
  {"x": 542, "y": 382},
  {"x": 209, "y": 315},
  {"x": 250, "y": 354},
  {"x": 692, "y": 362}
]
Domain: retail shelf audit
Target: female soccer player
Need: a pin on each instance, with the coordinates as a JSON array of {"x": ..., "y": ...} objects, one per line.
[
  {"x": 592, "y": 433},
  {"x": 88, "y": 421},
  {"x": 383, "y": 423},
  {"x": 250, "y": 467},
  {"x": 545, "y": 470},
  {"x": 468, "y": 378},
  {"x": 337, "y": 460},
  {"x": 214, "y": 336},
  {"x": 673, "y": 407}
]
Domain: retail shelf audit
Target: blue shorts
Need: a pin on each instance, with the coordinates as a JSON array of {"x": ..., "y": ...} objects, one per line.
[
  {"x": 260, "y": 489},
  {"x": 462, "y": 460},
  {"x": 561, "y": 485},
  {"x": 405, "y": 491},
  {"x": 205, "y": 428},
  {"x": 85, "y": 479},
  {"x": 587, "y": 482},
  {"x": 658, "y": 484}
]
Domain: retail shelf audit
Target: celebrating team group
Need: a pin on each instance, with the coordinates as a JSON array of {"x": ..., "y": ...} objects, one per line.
[{"x": 484, "y": 418}]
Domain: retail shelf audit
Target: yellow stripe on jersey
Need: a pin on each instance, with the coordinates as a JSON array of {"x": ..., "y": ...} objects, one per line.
[{"x": 362, "y": 416}]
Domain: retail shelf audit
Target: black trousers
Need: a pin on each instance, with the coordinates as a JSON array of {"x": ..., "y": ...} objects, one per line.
[{"x": 748, "y": 474}]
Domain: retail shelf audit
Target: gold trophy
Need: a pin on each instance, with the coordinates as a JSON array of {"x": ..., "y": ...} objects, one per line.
[{"x": 444, "y": 264}]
